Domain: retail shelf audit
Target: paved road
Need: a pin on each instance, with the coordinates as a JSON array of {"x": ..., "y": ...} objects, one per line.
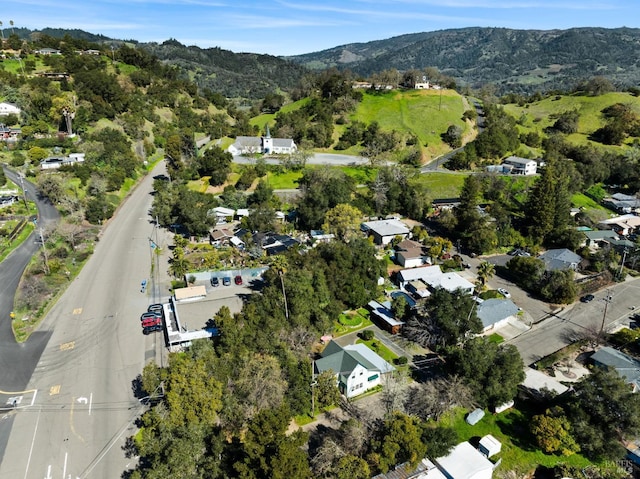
[
  {"x": 315, "y": 159},
  {"x": 578, "y": 320},
  {"x": 17, "y": 361},
  {"x": 81, "y": 390}
]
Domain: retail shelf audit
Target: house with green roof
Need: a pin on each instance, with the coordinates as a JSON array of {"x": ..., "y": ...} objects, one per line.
[{"x": 357, "y": 368}]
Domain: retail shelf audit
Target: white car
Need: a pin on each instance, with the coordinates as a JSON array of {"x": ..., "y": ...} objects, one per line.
[{"x": 504, "y": 292}]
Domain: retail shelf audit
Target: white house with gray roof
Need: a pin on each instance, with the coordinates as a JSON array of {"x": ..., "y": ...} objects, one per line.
[
  {"x": 520, "y": 166},
  {"x": 357, "y": 368},
  {"x": 495, "y": 313}
]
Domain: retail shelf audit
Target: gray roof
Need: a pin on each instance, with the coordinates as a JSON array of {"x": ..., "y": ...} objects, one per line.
[
  {"x": 387, "y": 227},
  {"x": 494, "y": 310},
  {"x": 343, "y": 361},
  {"x": 626, "y": 366},
  {"x": 600, "y": 234},
  {"x": 562, "y": 258},
  {"x": 474, "y": 416},
  {"x": 518, "y": 160}
]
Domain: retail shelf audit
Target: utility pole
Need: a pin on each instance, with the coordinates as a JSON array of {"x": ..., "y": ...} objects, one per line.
[
  {"x": 44, "y": 251},
  {"x": 624, "y": 256},
  {"x": 314, "y": 383},
  {"x": 607, "y": 300},
  {"x": 24, "y": 193}
]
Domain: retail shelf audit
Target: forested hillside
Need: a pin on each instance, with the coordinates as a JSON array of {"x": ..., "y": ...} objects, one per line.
[{"x": 514, "y": 60}]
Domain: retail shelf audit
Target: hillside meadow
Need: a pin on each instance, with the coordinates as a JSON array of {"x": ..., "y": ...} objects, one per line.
[
  {"x": 425, "y": 114},
  {"x": 540, "y": 115}
]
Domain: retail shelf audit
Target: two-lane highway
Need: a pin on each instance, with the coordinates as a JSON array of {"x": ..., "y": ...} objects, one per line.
[{"x": 83, "y": 400}]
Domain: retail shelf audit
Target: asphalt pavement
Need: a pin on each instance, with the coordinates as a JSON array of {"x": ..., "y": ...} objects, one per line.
[
  {"x": 81, "y": 402},
  {"x": 17, "y": 361}
]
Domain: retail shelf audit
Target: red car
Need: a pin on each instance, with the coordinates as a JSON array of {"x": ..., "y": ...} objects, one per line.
[{"x": 238, "y": 280}]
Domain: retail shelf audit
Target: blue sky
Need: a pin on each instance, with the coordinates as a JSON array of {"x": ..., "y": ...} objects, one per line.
[{"x": 290, "y": 27}]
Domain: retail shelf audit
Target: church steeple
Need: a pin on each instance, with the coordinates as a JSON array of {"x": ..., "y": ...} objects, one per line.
[{"x": 267, "y": 142}]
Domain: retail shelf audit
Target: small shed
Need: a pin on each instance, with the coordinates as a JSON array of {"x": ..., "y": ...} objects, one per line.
[
  {"x": 474, "y": 417},
  {"x": 489, "y": 445}
]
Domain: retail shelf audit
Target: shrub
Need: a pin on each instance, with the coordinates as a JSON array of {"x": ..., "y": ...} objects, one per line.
[
  {"x": 367, "y": 335},
  {"x": 401, "y": 361}
]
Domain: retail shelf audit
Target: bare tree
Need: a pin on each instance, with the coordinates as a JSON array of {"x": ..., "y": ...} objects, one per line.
[{"x": 393, "y": 392}]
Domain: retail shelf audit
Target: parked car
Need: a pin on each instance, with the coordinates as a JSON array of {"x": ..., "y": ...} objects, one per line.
[
  {"x": 587, "y": 298},
  {"x": 238, "y": 280},
  {"x": 151, "y": 315},
  {"x": 226, "y": 281},
  {"x": 151, "y": 329},
  {"x": 156, "y": 308},
  {"x": 215, "y": 281},
  {"x": 148, "y": 322},
  {"x": 504, "y": 292}
]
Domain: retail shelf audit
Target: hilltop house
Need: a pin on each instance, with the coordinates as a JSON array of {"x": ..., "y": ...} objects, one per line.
[
  {"x": 262, "y": 144},
  {"x": 8, "y": 109},
  {"x": 520, "y": 166},
  {"x": 357, "y": 368}
]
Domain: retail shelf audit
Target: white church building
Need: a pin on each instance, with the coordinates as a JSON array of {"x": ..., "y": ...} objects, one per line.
[{"x": 262, "y": 144}]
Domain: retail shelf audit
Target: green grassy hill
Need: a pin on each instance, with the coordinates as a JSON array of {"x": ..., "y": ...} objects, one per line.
[
  {"x": 540, "y": 115},
  {"x": 423, "y": 113}
]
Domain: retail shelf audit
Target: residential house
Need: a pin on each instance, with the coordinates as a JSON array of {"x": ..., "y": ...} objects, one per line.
[
  {"x": 220, "y": 236},
  {"x": 595, "y": 239},
  {"x": 319, "y": 236},
  {"x": 623, "y": 225},
  {"x": 495, "y": 313},
  {"x": 361, "y": 85},
  {"x": 262, "y": 144},
  {"x": 623, "y": 203},
  {"x": 626, "y": 366},
  {"x": 520, "y": 166},
  {"x": 383, "y": 317},
  {"x": 55, "y": 162},
  {"x": 410, "y": 254},
  {"x": 222, "y": 214},
  {"x": 434, "y": 278},
  {"x": 272, "y": 243},
  {"x": 9, "y": 109},
  {"x": 406, "y": 276},
  {"x": 560, "y": 259},
  {"x": 418, "y": 289},
  {"x": 465, "y": 462},
  {"x": 383, "y": 231},
  {"x": 451, "y": 282},
  {"x": 357, "y": 368},
  {"x": 47, "y": 51}
]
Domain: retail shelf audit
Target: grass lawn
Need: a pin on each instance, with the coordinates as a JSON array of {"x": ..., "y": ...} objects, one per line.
[
  {"x": 287, "y": 180},
  {"x": 591, "y": 208},
  {"x": 351, "y": 322},
  {"x": 443, "y": 185},
  {"x": 380, "y": 349},
  {"x": 269, "y": 118},
  {"x": 511, "y": 428}
]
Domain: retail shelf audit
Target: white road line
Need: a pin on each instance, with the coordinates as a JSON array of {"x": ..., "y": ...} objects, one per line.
[
  {"x": 35, "y": 393},
  {"x": 64, "y": 469},
  {"x": 31, "y": 449},
  {"x": 90, "y": 402}
]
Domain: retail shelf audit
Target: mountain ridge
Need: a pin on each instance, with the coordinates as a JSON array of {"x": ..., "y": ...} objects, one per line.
[{"x": 514, "y": 60}]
